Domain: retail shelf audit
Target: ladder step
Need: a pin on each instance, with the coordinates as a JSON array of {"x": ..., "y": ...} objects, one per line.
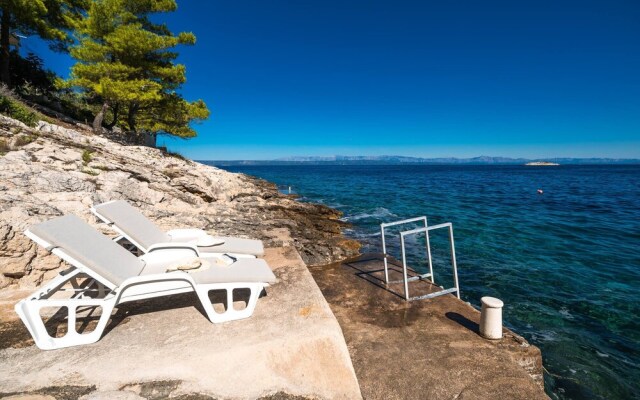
[
  {"x": 432, "y": 295},
  {"x": 413, "y": 278}
]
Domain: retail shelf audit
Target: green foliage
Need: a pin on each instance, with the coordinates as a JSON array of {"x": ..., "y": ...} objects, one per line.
[
  {"x": 24, "y": 140},
  {"x": 89, "y": 171},
  {"x": 16, "y": 110},
  {"x": 86, "y": 156},
  {"x": 177, "y": 155},
  {"x": 4, "y": 146},
  {"x": 172, "y": 115},
  {"x": 33, "y": 82},
  {"x": 29, "y": 76},
  {"x": 49, "y": 19},
  {"x": 127, "y": 62},
  {"x": 75, "y": 105}
]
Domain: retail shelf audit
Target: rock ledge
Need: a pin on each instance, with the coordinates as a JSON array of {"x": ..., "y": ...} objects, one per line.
[{"x": 52, "y": 170}]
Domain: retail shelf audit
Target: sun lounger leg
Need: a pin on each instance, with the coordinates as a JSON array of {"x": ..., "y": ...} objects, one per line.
[
  {"x": 230, "y": 314},
  {"x": 29, "y": 312}
]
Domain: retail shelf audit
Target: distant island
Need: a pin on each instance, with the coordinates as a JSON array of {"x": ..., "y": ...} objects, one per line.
[
  {"x": 402, "y": 160},
  {"x": 541, "y": 164}
]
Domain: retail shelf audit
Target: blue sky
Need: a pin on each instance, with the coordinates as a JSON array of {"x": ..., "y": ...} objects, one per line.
[{"x": 447, "y": 78}]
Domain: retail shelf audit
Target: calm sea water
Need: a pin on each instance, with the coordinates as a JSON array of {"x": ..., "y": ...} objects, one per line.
[{"x": 566, "y": 262}]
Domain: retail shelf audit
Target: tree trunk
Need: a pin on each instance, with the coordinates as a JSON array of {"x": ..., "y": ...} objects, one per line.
[
  {"x": 131, "y": 119},
  {"x": 113, "y": 123},
  {"x": 149, "y": 139},
  {"x": 97, "y": 121},
  {"x": 5, "y": 38}
]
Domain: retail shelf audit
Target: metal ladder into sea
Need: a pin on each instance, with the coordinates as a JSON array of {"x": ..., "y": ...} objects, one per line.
[{"x": 405, "y": 279}]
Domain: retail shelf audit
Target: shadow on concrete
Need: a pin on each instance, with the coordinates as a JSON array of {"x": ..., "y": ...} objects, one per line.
[
  {"x": 139, "y": 307},
  {"x": 183, "y": 300},
  {"x": 87, "y": 318},
  {"x": 14, "y": 334},
  {"x": 370, "y": 267},
  {"x": 375, "y": 276},
  {"x": 464, "y": 321}
]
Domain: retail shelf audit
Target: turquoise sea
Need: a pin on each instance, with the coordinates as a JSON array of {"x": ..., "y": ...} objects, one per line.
[{"x": 566, "y": 262}]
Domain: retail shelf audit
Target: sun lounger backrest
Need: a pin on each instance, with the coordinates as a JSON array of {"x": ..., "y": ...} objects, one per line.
[
  {"x": 133, "y": 223},
  {"x": 96, "y": 251}
]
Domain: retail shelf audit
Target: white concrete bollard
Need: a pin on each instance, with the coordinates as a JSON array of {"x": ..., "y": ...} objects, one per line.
[{"x": 491, "y": 318}]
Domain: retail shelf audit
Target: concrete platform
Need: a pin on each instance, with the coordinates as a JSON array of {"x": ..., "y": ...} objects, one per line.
[
  {"x": 291, "y": 346},
  {"x": 426, "y": 349}
]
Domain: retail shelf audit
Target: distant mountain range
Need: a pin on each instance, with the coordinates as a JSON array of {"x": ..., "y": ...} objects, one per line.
[{"x": 395, "y": 160}]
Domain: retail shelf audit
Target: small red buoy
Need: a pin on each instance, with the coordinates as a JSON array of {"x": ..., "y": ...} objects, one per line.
[{"x": 540, "y": 191}]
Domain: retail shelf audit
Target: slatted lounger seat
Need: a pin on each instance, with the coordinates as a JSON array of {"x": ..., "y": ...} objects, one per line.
[
  {"x": 111, "y": 275},
  {"x": 129, "y": 222}
]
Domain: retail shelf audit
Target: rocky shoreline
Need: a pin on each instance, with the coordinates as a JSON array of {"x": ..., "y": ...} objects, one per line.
[
  {"x": 52, "y": 170},
  {"x": 292, "y": 346}
]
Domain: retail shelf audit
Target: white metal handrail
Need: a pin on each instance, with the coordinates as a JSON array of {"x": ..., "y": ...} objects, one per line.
[
  {"x": 404, "y": 221},
  {"x": 384, "y": 243},
  {"x": 426, "y": 230}
]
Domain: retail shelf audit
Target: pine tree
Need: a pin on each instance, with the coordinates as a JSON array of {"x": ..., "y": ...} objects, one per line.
[
  {"x": 49, "y": 19},
  {"x": 126, "y": 62}
]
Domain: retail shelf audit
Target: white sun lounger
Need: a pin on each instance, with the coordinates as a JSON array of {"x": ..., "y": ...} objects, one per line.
[
  {"x": 132, "y": 225},
  {"x": 104, "y": 274}
]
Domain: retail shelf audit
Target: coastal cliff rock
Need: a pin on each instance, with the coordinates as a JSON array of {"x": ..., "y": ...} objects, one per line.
[{"x": 51, "y": 170}]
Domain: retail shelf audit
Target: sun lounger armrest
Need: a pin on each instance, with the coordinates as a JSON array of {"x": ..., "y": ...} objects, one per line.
[
  {"x": 150, "y": 278},
  {"x": 186, "y": 234},
  {"x": 155, "y": 278},
  {"x": 174, "y": 246},
  {"x": 195, "y": 236}
]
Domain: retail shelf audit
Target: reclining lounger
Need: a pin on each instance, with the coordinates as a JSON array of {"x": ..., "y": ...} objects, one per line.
[
  {"x": 104, "y": 274},
  {"x": 143, "y": 233}
]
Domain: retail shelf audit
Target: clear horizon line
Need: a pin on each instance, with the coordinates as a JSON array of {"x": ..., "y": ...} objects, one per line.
[{"x": 288, "y": 158}]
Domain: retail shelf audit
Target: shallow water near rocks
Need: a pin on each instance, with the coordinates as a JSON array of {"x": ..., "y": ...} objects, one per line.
[{"x": 566, "y": 262}]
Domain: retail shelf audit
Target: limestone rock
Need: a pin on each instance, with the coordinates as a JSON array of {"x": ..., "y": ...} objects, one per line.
[
  {"x": 30, "y": 397},
  {"x": 49, "y": 176},
  {"x": 112, "y": 395}
]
